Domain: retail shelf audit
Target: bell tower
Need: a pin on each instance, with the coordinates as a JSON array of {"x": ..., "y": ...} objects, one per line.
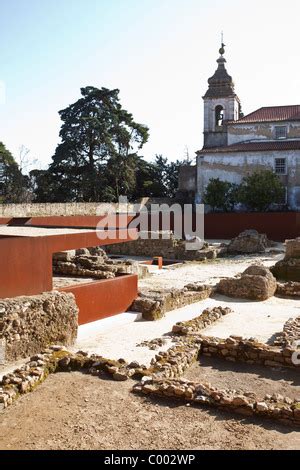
[{"x": 221, "y": 104}]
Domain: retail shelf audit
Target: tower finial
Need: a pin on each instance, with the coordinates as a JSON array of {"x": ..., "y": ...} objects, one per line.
[{"x": 222, "y": 49}]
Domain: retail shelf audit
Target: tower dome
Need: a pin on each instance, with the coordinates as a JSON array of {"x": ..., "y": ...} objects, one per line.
[{"x": 221, "y": 83}]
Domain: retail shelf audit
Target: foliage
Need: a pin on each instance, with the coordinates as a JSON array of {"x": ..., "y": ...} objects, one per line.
[
  {"x": 96, "y": 159},
  {"x": 13, "y": 185},
  {"x": 260, "y": 190},
  {"x": 257, "y": 192},
  {"x": 220, "y": 195}
]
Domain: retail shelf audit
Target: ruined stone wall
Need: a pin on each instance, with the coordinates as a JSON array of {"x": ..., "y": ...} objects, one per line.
[
  {"x": 163, "y": 379},
  {"x": 29, "y": 324},
  {"x": 237, "y": 349},
  {"x": 146, "y": 247},
  {"x": 153, "y": 304}
]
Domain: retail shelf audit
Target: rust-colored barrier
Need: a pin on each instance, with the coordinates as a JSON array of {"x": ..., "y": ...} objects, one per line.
[
  {"x": 278, "y": 226},
  {"x": 26, "y": 262},
  {"x": 77, "y": 221},
  {"x": 104, "y": 298}
]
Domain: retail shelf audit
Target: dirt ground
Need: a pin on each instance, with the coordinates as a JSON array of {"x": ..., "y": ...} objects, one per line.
[
  {"x": 245, "y": 378},
  {"x": 76, "y": 411}
]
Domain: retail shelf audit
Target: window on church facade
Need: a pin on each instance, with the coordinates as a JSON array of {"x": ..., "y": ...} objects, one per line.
[
  {"x": 219, "y": 116},
  {"x": 280, "y": 132},
  {"x": 280, "y": 166}
]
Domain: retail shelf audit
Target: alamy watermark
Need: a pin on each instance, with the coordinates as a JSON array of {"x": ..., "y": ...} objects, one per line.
[
  {"x": 296, "y": 354},
  {"x": 125, "y": 221}
]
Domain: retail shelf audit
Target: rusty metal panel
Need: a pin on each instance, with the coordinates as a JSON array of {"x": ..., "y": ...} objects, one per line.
[
  {"x": 80, "y": 221},
  {"x": 26, "y": 262},
  {"x": 25, "y": 266},
  {"x": 104, "y": 298},
  {"x": 5, "y": 220}
]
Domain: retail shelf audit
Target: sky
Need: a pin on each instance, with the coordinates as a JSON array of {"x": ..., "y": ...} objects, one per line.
[{"x": 158, "y": 53}]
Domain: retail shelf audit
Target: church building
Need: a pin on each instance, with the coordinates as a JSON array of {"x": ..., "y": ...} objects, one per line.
[{"x": 236, "y": 145}]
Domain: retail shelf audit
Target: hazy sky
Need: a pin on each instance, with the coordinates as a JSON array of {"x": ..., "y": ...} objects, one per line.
[{"x": 159, "y": 53}]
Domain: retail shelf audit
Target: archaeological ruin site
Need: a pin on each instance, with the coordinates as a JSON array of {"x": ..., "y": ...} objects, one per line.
[
  {"x": 149, "y": 232},
  {"x": 133, "y": 342}
]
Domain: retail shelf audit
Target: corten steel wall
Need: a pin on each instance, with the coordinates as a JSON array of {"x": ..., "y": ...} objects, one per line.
[
  {"x": 4, "y": 220},
  {"x": 104, "y": 298},
  {"x": 102, "y": 221},
  {"x": 278, "y": 226},
  {"x": 26, "y": 262}
]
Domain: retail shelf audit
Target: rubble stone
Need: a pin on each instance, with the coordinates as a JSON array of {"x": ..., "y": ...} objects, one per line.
[{"x": 255, "y": 283}]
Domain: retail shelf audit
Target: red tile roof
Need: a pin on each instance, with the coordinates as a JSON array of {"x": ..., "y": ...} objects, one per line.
[
  {"x": 255, "y": 147},
  {"x": 272, "y": 113}
]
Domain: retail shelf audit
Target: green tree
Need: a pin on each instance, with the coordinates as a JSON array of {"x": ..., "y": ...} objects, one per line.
[
  {"x": 260, "y": 190},
  {"x": 13, "y": 185},
  {"x": 220, "y": 195},
  {"x": 97, "y": 155}
]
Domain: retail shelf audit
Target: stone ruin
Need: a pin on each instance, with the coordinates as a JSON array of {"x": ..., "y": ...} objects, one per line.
[
  {"x": 153, "y": 304},
  {"x": 94, "y": 262},
  {"x": 288, "y": 269},
  {"x": 255, "y": 283},
  {"x": 249, "y": 241},
  {"x": 163, "y": 244}
]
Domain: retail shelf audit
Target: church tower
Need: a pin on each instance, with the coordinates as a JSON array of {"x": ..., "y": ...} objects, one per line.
[{"x": 221, "y": 104}]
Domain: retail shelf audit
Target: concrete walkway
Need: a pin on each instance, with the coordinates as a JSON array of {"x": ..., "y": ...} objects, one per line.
[{"x": 117, "y": 337}]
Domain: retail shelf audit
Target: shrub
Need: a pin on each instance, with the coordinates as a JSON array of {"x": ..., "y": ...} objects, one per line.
[
  {"x": 260, "y": 190},
  {"x": 221, "y": 195}
]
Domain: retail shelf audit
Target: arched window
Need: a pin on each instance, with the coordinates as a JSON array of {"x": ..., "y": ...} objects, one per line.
[{"x": 219, "y": 116}]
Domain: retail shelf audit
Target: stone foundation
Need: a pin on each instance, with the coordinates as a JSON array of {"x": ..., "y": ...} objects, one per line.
[
  {"x": 94, "y": 262},
  {"x": 288, "y": 289},
  {"x": 237, "y": 349},
  {"x": 168, "y": 248},
  {"x": 290, "y": 334},
  {"x": 154, "y": 304},
  {"x": 207, "y": 317},
  {"x": 58, "y": 359},
  {"x": 255, "y": 283},
  {"x": 288, "y": 269},
  {"x": 29, "y": 324},
  {"x": 249, "y": 241},
  {"x": 274, "y": 407}
]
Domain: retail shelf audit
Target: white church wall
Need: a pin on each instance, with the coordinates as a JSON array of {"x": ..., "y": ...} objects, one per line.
[
  {"x": 260, "y": 131},
  {"x": 233, "y": 167}
]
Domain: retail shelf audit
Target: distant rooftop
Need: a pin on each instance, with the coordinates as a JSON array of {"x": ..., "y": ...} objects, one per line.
[
  {"x": 260, "y": 146},
  {"x": 272, "y": 113}
]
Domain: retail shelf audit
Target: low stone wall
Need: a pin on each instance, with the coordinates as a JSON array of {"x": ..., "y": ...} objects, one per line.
[
  {"x": 275, "y": 407},
  {"x": 290, "y": 333},
  {"x": 58, "y": 359},
  {"x": 207, "y": 317},
  {"x": 61, "y": 209},
  {"x": 237, "y": 349},
  {"x": 174, "y": 362},
  {"x": 288, "y": 269},
  {"x": 169, "y": 248},
  {"x": 154, "y": 304},
  {"x": 288, "y": 289},
  {"x": 162, "y": 378},
  {"x": 94, "y": 262},
  {"x": 29, "y": 324}
]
